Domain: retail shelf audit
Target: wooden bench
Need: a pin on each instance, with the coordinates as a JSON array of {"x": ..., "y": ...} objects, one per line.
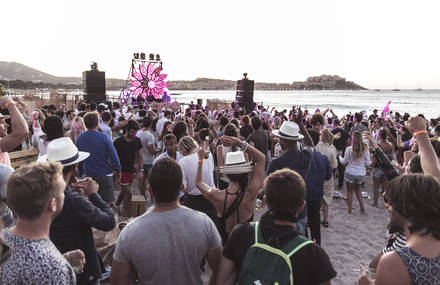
[{"x": 22, "y": 157}]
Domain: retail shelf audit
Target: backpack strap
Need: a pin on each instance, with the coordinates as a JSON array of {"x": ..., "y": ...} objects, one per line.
[
  {"x": 295, "y": 244},
  {"x": 258, "y": 235}
]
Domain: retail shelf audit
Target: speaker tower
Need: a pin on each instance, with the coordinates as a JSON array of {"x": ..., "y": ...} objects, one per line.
[
  {"x": 245, "y": 93},
  {"x": 94, "y": 85}
]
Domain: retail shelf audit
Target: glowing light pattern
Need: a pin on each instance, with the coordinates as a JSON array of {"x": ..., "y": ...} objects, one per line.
[
  {"x": 147, "y": 80},
  {"x": 125, "y": 96}
]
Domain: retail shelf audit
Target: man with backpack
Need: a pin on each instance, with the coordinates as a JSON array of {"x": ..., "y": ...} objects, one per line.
[{"x": 272, "y": 251}]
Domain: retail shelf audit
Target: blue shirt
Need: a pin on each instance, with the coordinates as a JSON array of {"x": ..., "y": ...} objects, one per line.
[
  {"x": 320, "y": 170},
  {"x": 297, "y": 160},
  {"x": 103, "y": 157}
]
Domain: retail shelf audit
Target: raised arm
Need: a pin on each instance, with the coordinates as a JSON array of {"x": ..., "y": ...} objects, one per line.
[
  {"x": 257, "y": 156},
  {"x": 203, "y": 187},
  {"x": 18, "y": 125},
  {"x": 299, "y": 120},
  {"x": 219, "y": 155},
  {"x": 428, "y": 158}
]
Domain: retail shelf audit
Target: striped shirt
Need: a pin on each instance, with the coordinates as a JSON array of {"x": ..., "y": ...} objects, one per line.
[{"x": 398, "y": 242}]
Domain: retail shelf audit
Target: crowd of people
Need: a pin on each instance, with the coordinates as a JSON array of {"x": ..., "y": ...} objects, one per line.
[{"x": 203, "y": 172}]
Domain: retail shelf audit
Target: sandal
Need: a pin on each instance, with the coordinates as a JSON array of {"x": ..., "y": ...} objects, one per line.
[{"x": 325, "y": 224}]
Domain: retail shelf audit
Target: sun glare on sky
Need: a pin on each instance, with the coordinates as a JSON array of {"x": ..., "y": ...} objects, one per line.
[{"x": 377, "y": 44}]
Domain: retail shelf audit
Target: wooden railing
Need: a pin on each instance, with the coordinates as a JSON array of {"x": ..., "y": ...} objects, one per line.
[{"x": 19, "y": 158}]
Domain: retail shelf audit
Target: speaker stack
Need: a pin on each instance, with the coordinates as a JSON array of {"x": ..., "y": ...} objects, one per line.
[
  {"x": 245, "y": 93},
  {"x": 94, "y": 85}
]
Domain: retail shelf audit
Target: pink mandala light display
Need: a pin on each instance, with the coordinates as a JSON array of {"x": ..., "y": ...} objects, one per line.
[{"x": 148, "y": 81}]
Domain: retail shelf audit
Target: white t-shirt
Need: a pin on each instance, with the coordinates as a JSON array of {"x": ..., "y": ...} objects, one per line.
[
  {"x": 355, "y": 167},
  {"x": 189, "y": 169},
  {"x": 117, "y": 115},
  {"x": 159, "y": 125},
  {"x": 165, "y": 155},
  {"x": 106, "y": 130},
  {"x": 147, "y": 139}
]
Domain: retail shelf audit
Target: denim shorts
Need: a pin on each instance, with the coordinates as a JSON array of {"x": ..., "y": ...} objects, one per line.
[
  {"x": 147, "y": 168},
  {"x": 378, "y": 173},
  {"x": 354, "y": 179}
]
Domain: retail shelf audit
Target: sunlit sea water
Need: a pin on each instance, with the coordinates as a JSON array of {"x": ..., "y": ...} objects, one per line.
[{"x": 426, "y": 102}]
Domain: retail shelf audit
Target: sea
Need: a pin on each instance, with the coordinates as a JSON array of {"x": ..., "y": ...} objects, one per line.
[{"x": 414, "y": 102}]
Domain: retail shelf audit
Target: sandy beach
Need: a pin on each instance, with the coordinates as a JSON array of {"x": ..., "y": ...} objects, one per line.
[{"x": 351, "y": 240}]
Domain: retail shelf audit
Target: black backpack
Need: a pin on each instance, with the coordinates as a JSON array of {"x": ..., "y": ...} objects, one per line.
[{"x": 264, "y": 264}]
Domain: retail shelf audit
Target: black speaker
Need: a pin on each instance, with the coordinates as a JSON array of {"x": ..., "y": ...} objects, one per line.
[
  {"x": 245, "y": 93},
  {"x": 94, "y": 86}
]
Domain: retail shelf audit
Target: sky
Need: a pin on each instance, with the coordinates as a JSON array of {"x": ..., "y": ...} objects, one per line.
[{"x": 377, "y": 44}]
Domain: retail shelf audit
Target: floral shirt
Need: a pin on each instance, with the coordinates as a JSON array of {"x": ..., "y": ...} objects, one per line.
[{"x": 34, "y": 262}]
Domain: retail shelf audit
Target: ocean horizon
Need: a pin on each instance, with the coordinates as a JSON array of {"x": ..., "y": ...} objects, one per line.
[{"x": 414, "y": 102}]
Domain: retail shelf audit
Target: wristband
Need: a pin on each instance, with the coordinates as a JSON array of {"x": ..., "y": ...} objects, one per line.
[
  {"x": 244, "y": 146},
  {"x": 9, "y": 103},
  {"x": 419, "y": 132},
  {"x": 200, "y": 160}
]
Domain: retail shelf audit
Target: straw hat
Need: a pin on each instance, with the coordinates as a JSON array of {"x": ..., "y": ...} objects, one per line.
[
  {"x": 288, "y": 131},
  {"x": 236, "y": 164},
  {"x": 64, "y": 151}
]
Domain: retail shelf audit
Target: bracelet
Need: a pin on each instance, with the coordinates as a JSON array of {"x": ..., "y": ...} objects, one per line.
[
  {"x": 244, "y": 146},
  {"x": 9, "y": 103},
  {"x": 419, "y": 132},
  {"x": 200, "y": 160}
]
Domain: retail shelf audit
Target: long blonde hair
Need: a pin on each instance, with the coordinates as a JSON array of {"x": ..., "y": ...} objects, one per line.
[
  {"x": 358, "y": 147},
  {"x": 186, "y": 145},
  {"x": 76, "y": 128},
  {"x": 326, "y": 136}
]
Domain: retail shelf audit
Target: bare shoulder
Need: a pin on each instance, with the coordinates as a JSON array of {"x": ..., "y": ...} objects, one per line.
[
  {"x": 391, "y": 270},
  {"x": 215, "y": 194}
]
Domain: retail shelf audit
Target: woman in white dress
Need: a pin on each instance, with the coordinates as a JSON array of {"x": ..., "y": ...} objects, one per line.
[{"x": 325, "y": 146}]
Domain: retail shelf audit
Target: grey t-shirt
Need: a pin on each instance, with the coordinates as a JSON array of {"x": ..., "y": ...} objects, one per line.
[
  {"x": 168, "y": 247},
  {"x": 147, "y": 138}
]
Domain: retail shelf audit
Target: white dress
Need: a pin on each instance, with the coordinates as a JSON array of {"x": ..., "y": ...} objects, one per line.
[{"x": 330, "y": 152}]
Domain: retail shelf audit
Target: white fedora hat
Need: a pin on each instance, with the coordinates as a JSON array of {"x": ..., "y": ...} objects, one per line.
[
  {"x": 63, "y": 150},
  {"x": 235, "y": 164},
  {"x": 4, "y": 116},
  {"x": 288, "y": 131}
]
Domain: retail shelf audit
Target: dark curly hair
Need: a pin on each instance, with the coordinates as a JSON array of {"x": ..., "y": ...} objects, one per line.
[
  {"x": 231, "y": 130},
  {"x": 417, "y": 198},
  {"x": 317, "y": 118}
]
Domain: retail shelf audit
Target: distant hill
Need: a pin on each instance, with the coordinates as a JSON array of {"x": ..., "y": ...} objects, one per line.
[
  {"x": 17, "y": 71},
  {"x": 27, "y": 77},
  {"x": 327, "y": 82}
]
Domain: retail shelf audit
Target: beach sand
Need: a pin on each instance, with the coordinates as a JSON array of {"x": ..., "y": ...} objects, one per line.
[{"x": 351, "y": 240}]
